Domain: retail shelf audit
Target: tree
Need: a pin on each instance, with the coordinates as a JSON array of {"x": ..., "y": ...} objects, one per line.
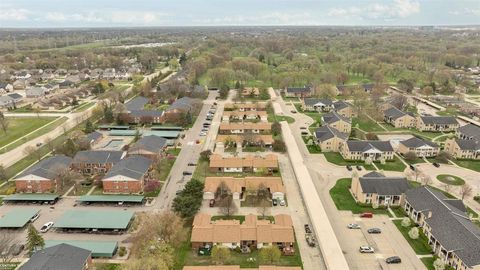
[
  {"x": 264, "y": 95},
  {"x": 399, "y": 101},
  {"x": 276, "y": 128},
  {"x": 89, "y": 126},
  {"x": 438, "y": 264},
  {"x": 32, "y": 151},
  {"x": 3, "y": 173},
  {"x": 108, "y": 114},
  {"x": 413, "y": 233},
  {"x": 410, "y": 156},
  {"x": 6, "y": 240},
  {"x": 406, "y": 222},
  {"x": 270, "y": 254},
  {"x": 3, "y": 123},
  {"x": 34, "y": 239},
  {"x": 279, "y": 146},
  {"x": 220, "y": 255},
  {"x": 205, "y": 155},
  {"x": 428, "y": 91},
  {"x": 465, "y": 190},
  {"x": 188, "y": 202},
  {"x": 406, "y": 85},
  {"x": 443, "y": 157},
  {"x": 227, "y": 205}
]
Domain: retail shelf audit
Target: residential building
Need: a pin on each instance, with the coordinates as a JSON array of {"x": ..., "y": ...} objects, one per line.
[
  {"x": 335, "y": 120},
  {"x": 469, "y": 132},
  {"x": 148, "y": 146},
  {"x": 316, "y": 104},
  {"x": 136, "y": 104},
  {"x": 363, "y": 150},
  {"x": 343, "y": 108},
  {"x": 180, "y": 107},
  {"x": 59, "y": 257},
  {"x": 452, "y": 235},
  {"x": 301, "y": 92},
  {"x": 239, "y": 116},
  {"x": 35, "y": 92},
  {"x": 255, "y": 139},
  {"x": 253, "y": 233},
  {"x": 419, "y": 146},
  {"x": 329, "y": 139},
  {"x": 248, "y": 163},
  {"x": 42, "y": 176},
  {"x": 240, "y": 187},
  {"x": 463, "y": 149},
  {"x": 5, "y": 87},
  {"x": 241, "y": 128},
  {"x": 246, "y": 106},
  {"x": 145, "y": 117},
  {"x": 96, "y": 162},
  {"x": 437, "y": 123},
  {"x": 127, "y": 176},
  {"x": 237, "y": 267},
  {"x": 19, "y": 84},
  {"x": 398, "y": 118},
  {"x": 92, "y": 138},
  {"x": 378, "y": 190}
]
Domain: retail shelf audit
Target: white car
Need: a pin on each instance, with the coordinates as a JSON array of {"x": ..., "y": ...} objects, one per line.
[
  {"x": 46, "y": 227},
  {"x": 37, "y": 215},
  {"x": 353, "y": 226},
  {"x": 203, "y": 133},
  {"x": 366, "y": 249},
  {"x": 282, "y": 202}
]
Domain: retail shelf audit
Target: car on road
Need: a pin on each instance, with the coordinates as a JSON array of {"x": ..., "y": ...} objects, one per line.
[
  {"x": 393, "y": 259},
  {"x": 303, "y": 127},
  {"x": 282, "y": 202},
  {"x": 366, "y": 249},
  {"x": 310, "y": 240},
  {"x": 204, "y": 129},
  {"x": 215, "y": 103},
  {"x": 203, "y": 133},
  {"x": 293, "y": 111},
  {"x": 304, "y": 132},
  {"x": 436, "y": 164},
  {"x": 39, "y": 144},
  {"x": 349, "y": 167},
  {"x": 374, "y": 230},
  {"x": 353, "y": 226},
  {"x": 178, "y": 192},
  {"x": 46, "y": 227},
  {"x": 366, "y": 215},
  {"x": 412, "y": 167},
  {"x": 35, "y": 217},
  {"x": 359, "y": 167},
  {"x": 307, "y": 228},
  {"x": 192, "y": 164},
  {"x": 211, "y": 203},
  {"x": 274, "y": 202},
  {"x": 187, "y": 173}
]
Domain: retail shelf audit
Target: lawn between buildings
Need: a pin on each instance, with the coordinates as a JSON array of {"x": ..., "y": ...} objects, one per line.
[
  {"x": 18, "y": 127},
  {"x": 450, "y": 179}
]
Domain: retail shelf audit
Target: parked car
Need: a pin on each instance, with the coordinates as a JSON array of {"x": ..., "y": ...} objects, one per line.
[
  {"x": 349, "y": 167},
  {"x": 203, "y": 133},
  {"x": 374, "y": 230},
  {"x": 46, "y": 227},
  {"x": 303, "y": 127},
  {"x": 310, "y": 240},
  {"x": 282, "y": 202},
  {"x": 192, "y": 164},
  {"x": 393, "y": 259},
  {"x": 353, "y": 226},
  {"x": 293, "y": 111},
  {"x": 39, "y": 144},
  {"x": 187, "y": 173},
  {"x": 307, "y": 228},
  {"x": 214, "y": 103},
  {"x": 366, "y": 215},
  {"x": 178, "y": 192},
  {"x": 211, "y": 203},
  {"x": 359, "y": 167},
  {"x": 37, "y": 215},
  {"x": 16, "y": 249},
  {"x": 412, "y": 167},
  {"x": 274, "y": 202},
  {"x": 366, "y": 249},
  {"x": 206, "y": 124},
  {"x": 436, "y": 164},
  {"x": 304, "y": 133}
]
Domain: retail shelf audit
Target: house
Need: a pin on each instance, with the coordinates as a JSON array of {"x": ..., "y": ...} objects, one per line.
[
  {"x": 67, "y": 84},
  {"x": 5, "y": 88},
  {"x": 92, "y": 138},
  {"x": 35, "y": 92},
  {"x": 109, "y": 74},
  {"x": 246, "y": 127},
  {"x": 19, "y": 84},
  {"x": 398, "y": 118},
  {"x": 250, "y": 92},
  {"x": 260, "y": 140},
  {"x": 469, "y": 132},
  {"x": 315, "y": 104},
  {"x": 180, "y": 107},
  {"x": 127, "y": 176},
  {"x": 437, "y": 123},
  {"x": 145, "y": 117},
  {"x": 301, "y": 92},
  {"x": 137, "y": 103},
  {"x": 73, "y": 79},
  {"x": 248, "y": 163},
  {"x": 343, "y": 108},
  {"x": 329, "y": 139},
  {"x": 59, "y": 257},
  {"x": 240, "y": 187},
  {"x": 61, "y": 72},
  {"x": 96, "y": 74},
  {"x": 96, "y": 162},
  {"x": 148, "y": 146},
  {"x": 378, "y": 190},
  {"x": 236, "y": 116},
  {"x": 463, "y": 149},
  {"x": 246, "y": 106},
  {"x": 345, "y": 89},
  {"x": 6, "y": 102},
  {"x": 451, "y": 234},
  {"x": 335, "y": 120},
  {"x": 363, "y": 150},
  {"x": 419, "y": 146},
  {"x": 252, "y": 233},
  {"x": 42, "y": 177}
]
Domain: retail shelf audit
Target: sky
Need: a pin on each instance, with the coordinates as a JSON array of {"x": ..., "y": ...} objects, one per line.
[{"x": 130, "y": 13}]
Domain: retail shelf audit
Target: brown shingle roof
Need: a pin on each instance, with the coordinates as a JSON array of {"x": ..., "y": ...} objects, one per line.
[
  {"x": 245, "y": 126},
  {"x": 236, "y": 184},
  {"x": 268, "y": 139},
  {"x": 269, "y": 161}
]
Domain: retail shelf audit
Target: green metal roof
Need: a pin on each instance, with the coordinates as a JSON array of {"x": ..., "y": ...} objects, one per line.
[
  {"x": 17, "y": 218},
  {"x": 80, "y": 219},
  {"x": 113, "y": 127},
  {"x": 31, "y": 197},
  {"x": 104, "y": 249},
  {"x": 166, "y": 128},
  {"x": 127, "y": 132},
  {"x": 162, "y": 133},
  {"x": 111, "y": 198}
]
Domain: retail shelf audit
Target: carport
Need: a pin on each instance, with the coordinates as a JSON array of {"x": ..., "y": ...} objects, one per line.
[
  {"x": 166, "y": 128},
  {"x": 111, "y": 199},
  {"x": 167, "y": 134},
  {"x": 31, "y": 197},
  {"x": 17, "y": 218},
  {"x": 96, "y": 220},
  {"x": 99, "y": 249}
]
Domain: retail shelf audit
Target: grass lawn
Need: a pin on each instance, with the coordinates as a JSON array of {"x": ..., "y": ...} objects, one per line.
[
  {"x": 312, "y": 148},
  {"x": 343, "y": 199},
  {"x": 9, "y": 265},
  {"x": 469, "y": 164},
  {"x": 253, "y": 201},
  {"x": 395, "y": 165},
  {"x": 174, "y": 151},
  {"x": 107, "y": 266},
  {"x": 399, "y": 212},
  {"x": 280, "y": 118},
  {"x": 450, "y": 179},
  {"x": 18, "y": 127},
  {"x": 84, "y": 107},
  {"x": 420, "y": 245},
  {"x": 337, "y": 159},
  {"x": 253, "y": 149},
  {"x": 366, "y": 125},
  {"x": 428, "y": 262},
  {"x": 166, "y": 165}
]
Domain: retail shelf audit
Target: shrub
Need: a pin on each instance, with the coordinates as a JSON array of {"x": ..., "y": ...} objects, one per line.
[
  {"x": 122, "y": 251},
  {"x": 438, "y": 264},
  {"x": 406, "y": 222},
  {"x": 413, "y": 233}
]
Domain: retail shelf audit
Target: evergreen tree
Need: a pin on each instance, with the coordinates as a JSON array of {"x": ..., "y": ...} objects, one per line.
[
  {"x": 34, "y": 239},
  {"x": 89, "y": 127},
  {"x": 108, "y": 114}
]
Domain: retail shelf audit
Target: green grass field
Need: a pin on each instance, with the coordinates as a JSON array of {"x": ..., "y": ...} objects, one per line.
[
  {"x": 18, "y": 127},
  {"x": 420, "y": 245},
  {"x": 469, "y": 164},
  {"x": 450, "y": 179},
  {"x": 337, "y": 159}
]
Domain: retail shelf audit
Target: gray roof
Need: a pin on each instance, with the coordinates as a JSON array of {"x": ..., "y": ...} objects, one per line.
[
  {"x": 59, "y": 257},
  {"x": 15, "y": 95},
  {"x": 469, "y": 145},
  {"x": 470, "y": 131},
  {"x": 93, "y": 136},
  {"x": 143, "y": 113},
  {"x": 37, "y": 91},
  {"x": 333, "y": 117},
  {"x": 381, "y": 185},
  {"x": 298, "y": 89},
  {"x": 324, "y": 133},
  {"x": 48, "y": 168},
  {"x": 338, "y": 105},
  {"x": 362, "y": 146},
  {"x": 149, "y": 143},
  {"x": 439, "y": 120},
  {"x": 98, "y": 157},
  {"x": 449, "y": 222},
  {"x": 136, "y": 104},
  {"x": 184, "y": 103},
  {"x": 133, "y": 166},
  {"x": 394, "y": 113},
  {"x": 313, "y": 101},
  {"x": 416, "y": 142}
]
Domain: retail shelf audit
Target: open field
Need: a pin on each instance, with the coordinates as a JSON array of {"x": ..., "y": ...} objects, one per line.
[{"x": 18, "y": 127}]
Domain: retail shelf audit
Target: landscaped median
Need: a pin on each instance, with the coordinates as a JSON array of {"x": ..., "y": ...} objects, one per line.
[
  {"x": 336, "y": 158},
  {"x": 450, "y": 179}
]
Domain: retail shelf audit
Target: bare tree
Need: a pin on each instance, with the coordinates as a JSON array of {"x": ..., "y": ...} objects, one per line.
[
  {"x": 6, "y": 241},
  {"x": 426, "y": 180},
  {"x": 32, "y": 151},
  {"x": 399, "y": 101},
  {"x": 227, "y": 205},
  {"x": 465, "y": 190},
  {"x": 3, "y": 123},
  {"x": 49, "y": 143}
]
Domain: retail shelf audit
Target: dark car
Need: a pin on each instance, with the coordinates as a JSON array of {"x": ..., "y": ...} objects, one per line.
[
  {"x": 214, "y": 103},
  {"x": 274, "y": 202},
  {"x": 293, "y": 111},
  {"x": 192, "y": 164},
  {"x": 393, "y": 259},
  {"x": 412, "y": 167},
  {"x": 436, "y": 164},
  {"x": 359, "y": 167},
  {"x": 374, "y": 230},
  {"x": 366, "y": 215},
  {"x": 16, "y": 249},
  {"x": 349, "y": 167},
  {"x": 187, "y": 173},
  {"x": 212, "y": 203},
  {"x": 307, "y": 228}
]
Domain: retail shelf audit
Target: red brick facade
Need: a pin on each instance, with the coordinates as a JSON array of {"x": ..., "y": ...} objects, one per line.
[
  {"x": 127, "y": 187},
  {"x": 34, "y": 186},
  {"x": 87, "y": 168}
]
